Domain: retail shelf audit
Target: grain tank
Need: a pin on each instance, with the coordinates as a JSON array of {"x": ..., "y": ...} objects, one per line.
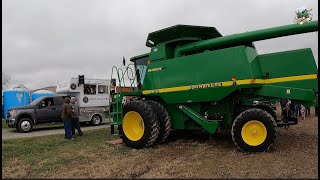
[{"x": 194, "y": 78}]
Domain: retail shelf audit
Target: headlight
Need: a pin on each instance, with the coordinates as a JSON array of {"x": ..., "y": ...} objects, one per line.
[{"x": 13, "y": 113}]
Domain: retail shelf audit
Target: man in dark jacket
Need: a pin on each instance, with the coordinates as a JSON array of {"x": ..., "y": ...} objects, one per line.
[
  {"x": 66, "y": 116},
  {"x": 75, "y": 117}
]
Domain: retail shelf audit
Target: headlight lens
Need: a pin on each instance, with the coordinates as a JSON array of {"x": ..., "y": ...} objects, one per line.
[{"x": 13, "y": 112}]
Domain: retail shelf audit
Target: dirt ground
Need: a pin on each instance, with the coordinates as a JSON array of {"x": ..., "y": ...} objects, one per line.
[{"x": 197, "y": 155}]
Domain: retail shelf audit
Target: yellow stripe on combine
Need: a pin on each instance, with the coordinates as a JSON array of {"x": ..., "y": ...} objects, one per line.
[
  {"x": 173, "y": 89},
  {"x": 239, "y": 82},
  {"x": 291, "y": 78}
]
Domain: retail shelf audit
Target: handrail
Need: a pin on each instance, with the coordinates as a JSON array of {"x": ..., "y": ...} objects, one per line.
[{"x": 123, "y": 74}]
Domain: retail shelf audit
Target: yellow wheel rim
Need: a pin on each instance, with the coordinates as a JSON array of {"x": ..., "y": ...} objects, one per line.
[
  {"x": 133, "y": 126},
  {"x": 254, "y": 133}
]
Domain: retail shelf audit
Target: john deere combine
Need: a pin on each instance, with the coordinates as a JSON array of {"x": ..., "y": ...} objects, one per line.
[{"x": 194, "y": 78}]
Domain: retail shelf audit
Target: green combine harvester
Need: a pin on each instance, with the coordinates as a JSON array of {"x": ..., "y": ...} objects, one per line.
[{"x": 196, "y": 79}]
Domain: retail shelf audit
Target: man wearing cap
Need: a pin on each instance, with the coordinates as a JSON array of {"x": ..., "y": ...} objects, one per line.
[{"x": 75, "y": 116}]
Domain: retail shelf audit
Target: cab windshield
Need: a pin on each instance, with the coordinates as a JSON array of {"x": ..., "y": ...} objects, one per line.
[
  {"x": 140, "y": 65},
  {"x": 35, "y": 102}
]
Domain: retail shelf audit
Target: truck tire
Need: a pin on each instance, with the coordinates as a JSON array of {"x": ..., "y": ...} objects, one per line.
[
  {"x": 254, "y": 130},
  {"x": 24, "y": 125},
  {"x": 96, "y": 120},
  {"x": 164, "y": 120},
  {"x": 140, "y": 126},
  {"x": 269, "y": 109}
]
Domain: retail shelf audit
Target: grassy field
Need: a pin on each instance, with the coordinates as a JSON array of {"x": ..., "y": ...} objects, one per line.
[
  {"x": 4, "y": 125},
  {"x": 37, "y": 157}
]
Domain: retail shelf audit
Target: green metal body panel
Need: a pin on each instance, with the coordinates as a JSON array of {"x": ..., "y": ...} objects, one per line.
[
  {"x": 208, "y": 67},
  {"x": 207, "y": 76},
  {"x": 288, "y": 64},
  {"x": 282, "y": 92}
]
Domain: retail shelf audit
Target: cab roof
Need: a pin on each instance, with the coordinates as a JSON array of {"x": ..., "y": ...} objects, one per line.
[
  {"x": 132, "y": 59},
  {"x": 181, "y": 33}
]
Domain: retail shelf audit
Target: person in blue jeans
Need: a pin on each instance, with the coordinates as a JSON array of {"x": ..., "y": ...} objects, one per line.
[{"x": 66, "y": 116}]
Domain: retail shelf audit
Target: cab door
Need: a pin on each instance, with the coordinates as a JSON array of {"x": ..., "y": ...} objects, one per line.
[
  {"x": 58, "y": 101},
  {"x": 45, "y": 111}
]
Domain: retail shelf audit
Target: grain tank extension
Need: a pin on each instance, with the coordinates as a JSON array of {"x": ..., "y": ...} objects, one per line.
[{"x": 194, "y": 78}]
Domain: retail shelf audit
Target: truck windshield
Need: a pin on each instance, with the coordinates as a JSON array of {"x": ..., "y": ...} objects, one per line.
[
  {"x": 141, "y": 66},
  {"x": 35, "y": 102}
]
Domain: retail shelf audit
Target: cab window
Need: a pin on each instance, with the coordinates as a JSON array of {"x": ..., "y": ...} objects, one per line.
[
  {"x": 89, "y": 89},
  {"x": 140, "y": 67},
  {"x": 47, "y": 102},
  {"x": 102, "y": 89}
]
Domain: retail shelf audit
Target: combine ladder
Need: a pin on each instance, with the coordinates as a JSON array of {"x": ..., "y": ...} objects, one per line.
[{"x": 117, "y": 99}]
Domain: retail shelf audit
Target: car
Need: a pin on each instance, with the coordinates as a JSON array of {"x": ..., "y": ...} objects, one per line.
[{"x": 46, "y": 109}]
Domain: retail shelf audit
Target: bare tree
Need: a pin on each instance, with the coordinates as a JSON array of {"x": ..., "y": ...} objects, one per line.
[{"x": 5, "y": 81}]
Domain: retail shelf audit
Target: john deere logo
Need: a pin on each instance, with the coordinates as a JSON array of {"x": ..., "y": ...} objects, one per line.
[
  {"x": 85, "y": 99},
  {"x": 73, "y": 86},
  {"x": 19, "y": 96},
  {"x": 288, "y": 91}
]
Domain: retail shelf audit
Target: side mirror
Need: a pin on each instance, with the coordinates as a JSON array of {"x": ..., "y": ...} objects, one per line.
[{"x": 124, "y": 61}]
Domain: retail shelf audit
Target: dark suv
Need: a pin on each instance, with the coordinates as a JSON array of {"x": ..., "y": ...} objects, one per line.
[{"x": 42, "y": 110}]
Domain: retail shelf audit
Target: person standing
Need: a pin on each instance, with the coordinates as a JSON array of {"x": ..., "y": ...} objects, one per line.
[
  {"x": 283, "y": 104},
  {"x": 307, "y": 111},
  {"x": 66, "y": 116},
  {"x": 75, "y": 117},
  {"x": 303, "y": 112},
  {"x": 296, "y": 107}
]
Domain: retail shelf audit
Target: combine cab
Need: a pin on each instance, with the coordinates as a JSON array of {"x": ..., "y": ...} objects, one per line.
[{"x": 194, "y": 78}]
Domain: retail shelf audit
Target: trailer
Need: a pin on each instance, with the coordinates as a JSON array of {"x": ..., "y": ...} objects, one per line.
[{"x": 92, "y": 96}]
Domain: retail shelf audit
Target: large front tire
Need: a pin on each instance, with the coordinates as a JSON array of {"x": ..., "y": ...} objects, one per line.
[
  {"x": 25, "y": 125},
  {"x": 164, "y": 120},
  {"x": 254, "y": 130},
  {"x": 140, "y": 127}
]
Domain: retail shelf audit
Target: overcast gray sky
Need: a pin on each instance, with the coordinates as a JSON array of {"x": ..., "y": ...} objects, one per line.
[{"x": 46, "y": 41}]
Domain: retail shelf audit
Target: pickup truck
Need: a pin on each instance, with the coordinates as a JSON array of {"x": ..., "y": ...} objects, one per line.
[{"x": 43, "y": 110}]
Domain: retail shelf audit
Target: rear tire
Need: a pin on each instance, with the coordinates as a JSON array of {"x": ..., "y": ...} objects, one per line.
[
  {"x": 164, "y": 120},
  {"x": 140, "y": 127},
  {"x": 254, "y": 130},
  {"x": 96, "y": 120},
  {"x": 24, "y": 125},
  {"x": 269, "y": 109}
]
